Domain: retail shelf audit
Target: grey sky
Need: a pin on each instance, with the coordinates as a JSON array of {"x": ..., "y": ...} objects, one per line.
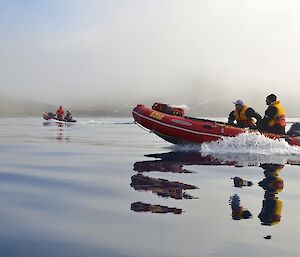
[{"x": 176, "y": 51}]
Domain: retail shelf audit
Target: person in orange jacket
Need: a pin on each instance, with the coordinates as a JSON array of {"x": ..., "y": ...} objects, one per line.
[{"x": 60, "y": 113}]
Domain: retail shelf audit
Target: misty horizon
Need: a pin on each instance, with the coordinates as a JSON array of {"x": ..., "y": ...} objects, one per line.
[
  {"x": 95, "y": 54},
  {"x": 209, "y": 108}
]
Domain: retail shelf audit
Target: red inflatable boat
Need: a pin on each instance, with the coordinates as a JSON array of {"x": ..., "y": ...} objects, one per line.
[{"x": 178, "y": 129}]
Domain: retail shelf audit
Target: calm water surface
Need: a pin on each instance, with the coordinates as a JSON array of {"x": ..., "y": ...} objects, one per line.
[{"x": 106, "y": 187}]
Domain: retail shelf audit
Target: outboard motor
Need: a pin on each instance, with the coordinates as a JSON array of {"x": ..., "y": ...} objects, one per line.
[{"x": 294, "y": 129}]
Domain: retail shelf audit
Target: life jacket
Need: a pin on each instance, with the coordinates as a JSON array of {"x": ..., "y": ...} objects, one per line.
[
  {"x": 68, "y": 115},
  {"x": 279, "y": 117},
  {"x": 240, "y": 213},
  {"x": 178, "y": 111},
  {"x": 242, "y": 119},
  {"x": 60, "y": 112},
  {"x": 271, "y": 211}
]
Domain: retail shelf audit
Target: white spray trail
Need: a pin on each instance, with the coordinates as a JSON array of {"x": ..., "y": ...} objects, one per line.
[
  {"x": 250, "y": 143},
  {"x": 247, "y": 149}
]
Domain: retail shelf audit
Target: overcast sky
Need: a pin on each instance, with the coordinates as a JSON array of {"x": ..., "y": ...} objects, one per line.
[{"x": 66, "y": 51}]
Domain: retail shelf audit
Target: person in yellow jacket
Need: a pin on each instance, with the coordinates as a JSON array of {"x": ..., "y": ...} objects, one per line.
[
  {"x": 274, "y": 119},
  {"x": 243, "y": 115}
]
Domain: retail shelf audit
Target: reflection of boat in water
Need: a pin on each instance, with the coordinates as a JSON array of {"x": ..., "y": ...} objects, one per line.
[
  {"x": 60, "y": 129},
  {"x": 147, "y": 166},
  {"x": 161, "y": 187},
  {"x": 175, "y": 161},
  {"x": 188, "y": 158},
  {"x": 154, "y": 208},
  {"x": 57, "y": 123}
]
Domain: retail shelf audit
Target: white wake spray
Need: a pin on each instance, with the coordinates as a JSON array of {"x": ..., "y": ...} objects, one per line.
[
  {"x": 95, "y": 122},
  {"x": 250, "y": 143},
  {"x": 247, "y": 149},
  {"x": 182, "y": 106}
]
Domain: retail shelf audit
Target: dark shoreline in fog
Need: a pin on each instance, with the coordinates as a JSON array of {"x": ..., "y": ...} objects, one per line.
[{"x": 16, "y": 108}]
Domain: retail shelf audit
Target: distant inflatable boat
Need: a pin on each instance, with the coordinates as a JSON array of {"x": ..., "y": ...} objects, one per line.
[
  {"x": 178, "y": 129},
  {"x": 51, "y": 116}
]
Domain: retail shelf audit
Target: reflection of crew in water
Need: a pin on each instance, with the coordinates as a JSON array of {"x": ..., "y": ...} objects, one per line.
[
  {"x": 239, "y": 182},
  {"x": 161, "y": 187},
  {"x": 146, "y": 207},
  {"x": 272, "y": 184},
  {"x": 238, "y": 212},
  {"x": 60, "y": 131}
]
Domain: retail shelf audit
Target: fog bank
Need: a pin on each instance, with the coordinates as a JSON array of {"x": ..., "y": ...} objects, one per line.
[{"x": 100, "y": 54}]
